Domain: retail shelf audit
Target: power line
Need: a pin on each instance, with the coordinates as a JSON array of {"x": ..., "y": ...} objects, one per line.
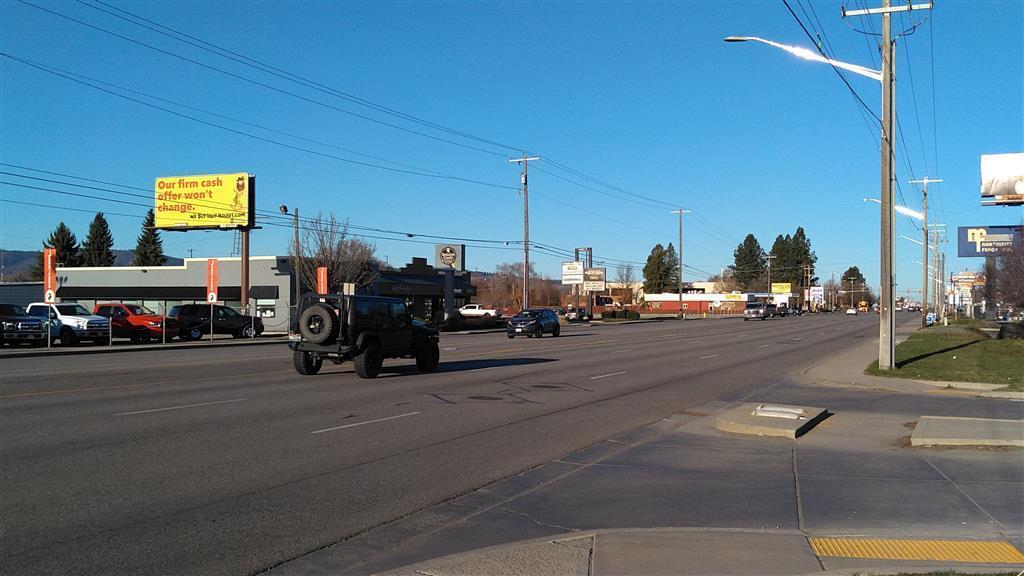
[
  {"x": 256, "y": 137},
  {"x": 281, "y": 73},
  {"x": 258, "y": 83}
]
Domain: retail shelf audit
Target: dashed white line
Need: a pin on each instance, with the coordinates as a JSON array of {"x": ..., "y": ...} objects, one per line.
[
  {"x": 607, "y": 375},
  {"x": 180, "y": 407},
  {"x": 763, "y": 345},
  {"x": 706, "y": 357},
  {"x": 367, "y": 422},
  {"x": 621, "y": 351},
  {"x": 695, "y": 342}
]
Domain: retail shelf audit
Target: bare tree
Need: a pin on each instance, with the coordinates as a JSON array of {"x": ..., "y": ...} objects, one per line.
[
  {"x": 325, "y": 242},
  {"x": 1009, "y": 280},
  {"x": 625, "y": 277}
]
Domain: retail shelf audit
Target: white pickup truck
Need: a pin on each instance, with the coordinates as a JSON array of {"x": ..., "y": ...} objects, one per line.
[
  {"x": 478, "y": 311},
  {"x": 76, "y": 322}
]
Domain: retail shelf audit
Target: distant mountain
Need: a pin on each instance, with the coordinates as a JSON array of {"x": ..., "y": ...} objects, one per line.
[{"x": 17, "y": 264}]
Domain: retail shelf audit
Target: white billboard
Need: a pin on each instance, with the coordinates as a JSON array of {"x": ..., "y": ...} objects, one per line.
[
  {"x": 572, "y": 272},
  {"x": 1002, "y": 179},
  {"x": 817, "y": 293}
]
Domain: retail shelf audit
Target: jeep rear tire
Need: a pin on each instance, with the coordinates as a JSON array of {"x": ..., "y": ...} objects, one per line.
[
  {"x": 307, "y": 363},
  {"x": 318, "y": 325},
  {"x": 369, "y": 361},
  {"x": 428, "y": 357}
]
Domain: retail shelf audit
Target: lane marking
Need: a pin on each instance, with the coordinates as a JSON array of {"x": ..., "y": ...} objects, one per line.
[
  {"x": 706, "y": 357},
  {"x": 607, "y": 375},
  {"x": 449, "y": 349},
  {"x": 695, "y": 342},
  {"x": 764, "y": 345},
  {"x": 362, "y": 423},
  {"x": 621, "y": 351},
  {"x": 181, "y": 407}
]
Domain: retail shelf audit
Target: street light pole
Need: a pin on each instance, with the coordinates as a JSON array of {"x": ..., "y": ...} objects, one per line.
[
  {"x": 296, "y": 266},
  {"x": 680, "y": 287}
]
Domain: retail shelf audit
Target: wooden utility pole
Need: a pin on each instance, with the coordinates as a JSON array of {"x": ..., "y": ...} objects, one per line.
[
  {"x": 887, "y": 319},
  {"x": 526, "y": 228},
  {"x": 680, "y": 290},
  {"x": 924, "y": 254}
]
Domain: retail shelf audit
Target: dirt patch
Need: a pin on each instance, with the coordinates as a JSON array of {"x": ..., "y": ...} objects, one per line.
[
  {"x": 910, "y": 425},
  {"x": 902, "y": 442}
]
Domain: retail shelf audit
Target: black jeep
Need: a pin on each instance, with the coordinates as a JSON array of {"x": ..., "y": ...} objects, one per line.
[{"x": 365, "y": 329}]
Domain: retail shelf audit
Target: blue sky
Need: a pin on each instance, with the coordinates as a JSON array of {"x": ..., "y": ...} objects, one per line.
[{"x": 645, "y": 100}]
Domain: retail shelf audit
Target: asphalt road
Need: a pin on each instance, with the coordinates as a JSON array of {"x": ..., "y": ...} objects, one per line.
[{"x": 226, "y": 461}]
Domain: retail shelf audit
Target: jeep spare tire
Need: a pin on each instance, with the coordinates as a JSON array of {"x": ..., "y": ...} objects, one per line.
[{"x": 318, "y": 325}]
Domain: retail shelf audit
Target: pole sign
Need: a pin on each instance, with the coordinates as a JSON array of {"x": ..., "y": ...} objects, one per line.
[
  {"x": 208, "y": 201},
  {"x": 211, "y": 280},
  {"x": 50, "y": 275},
  {"x": 321, "y": 280},
  {"x": 1002, "y": 179},
  {"x": 817, "y": 294},
  {"x": 594, "y": 279},
  {"x": 450, "y": 256},
  {"x": 975, "y": 241},
  {"x": 572, "y": 273},
  {"x": 780, "y": 287}
]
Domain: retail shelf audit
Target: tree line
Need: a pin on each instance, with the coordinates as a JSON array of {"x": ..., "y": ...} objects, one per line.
[
  {"x": 98, "y": 248},
  {"x": 791, "y": 259}
]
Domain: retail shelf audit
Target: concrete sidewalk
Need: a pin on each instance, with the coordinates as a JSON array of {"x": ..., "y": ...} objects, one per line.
[{"x": 679, "y": 496}]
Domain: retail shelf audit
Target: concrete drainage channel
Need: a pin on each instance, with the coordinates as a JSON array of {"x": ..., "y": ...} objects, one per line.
[{"x": 759, "y": 419}]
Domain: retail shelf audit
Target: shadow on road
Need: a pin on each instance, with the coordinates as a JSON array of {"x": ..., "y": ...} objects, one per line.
[{"x": 465, "y": 365}]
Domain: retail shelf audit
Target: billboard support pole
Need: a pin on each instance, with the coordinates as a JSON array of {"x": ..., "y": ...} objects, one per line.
[{"x": 245, "y": 271}]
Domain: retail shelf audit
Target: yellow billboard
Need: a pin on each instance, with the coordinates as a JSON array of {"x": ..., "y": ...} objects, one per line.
[
  {"x": 780, "y": 287},
  {"x": 204, "y": 201}
]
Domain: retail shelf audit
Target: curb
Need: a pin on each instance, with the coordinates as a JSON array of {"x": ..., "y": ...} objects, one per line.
[{"x": 136, "y": 348}]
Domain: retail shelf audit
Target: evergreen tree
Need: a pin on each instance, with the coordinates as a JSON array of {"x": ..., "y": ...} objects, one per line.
[
  {"x": 854, "y": 286},
  {"x": 654, "y": 271},
  {"x": 749, "y": 263},
  {"x": 63, "y": 239},
  {"x": 783, "y": 266},
  {"x": 149, "y": 250},
  {"x": 671, "y": 270},
  {"x": 98, "y": 245}
]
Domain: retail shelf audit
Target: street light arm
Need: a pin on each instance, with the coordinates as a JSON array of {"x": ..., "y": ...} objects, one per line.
[{"x": 806, "y": 54}]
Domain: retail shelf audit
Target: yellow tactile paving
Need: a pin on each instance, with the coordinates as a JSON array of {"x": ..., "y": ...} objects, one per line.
[{"x": 948, "y": 550}]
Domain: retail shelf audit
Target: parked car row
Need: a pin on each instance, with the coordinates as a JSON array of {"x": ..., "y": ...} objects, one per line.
[{"x": 72, "y": 323}]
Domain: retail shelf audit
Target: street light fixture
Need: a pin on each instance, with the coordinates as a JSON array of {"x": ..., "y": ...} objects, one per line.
[
  {"x": 901, "y": 209},
  {"x": 806, "y": 54}
]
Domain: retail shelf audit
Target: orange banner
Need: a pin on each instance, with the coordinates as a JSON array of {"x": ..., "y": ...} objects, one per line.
[
  {"x": 211, "y": 280},
  {"x": 50, "y": 275},
  {"x": 321, "y": 280}
]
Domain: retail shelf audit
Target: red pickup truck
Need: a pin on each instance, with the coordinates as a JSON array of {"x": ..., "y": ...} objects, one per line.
[{"x": 136, "y": 322}]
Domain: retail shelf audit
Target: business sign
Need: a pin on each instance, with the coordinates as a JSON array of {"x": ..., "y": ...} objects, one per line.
[
  {"x": 50, "y": 275},
  {"x": 780, "y": 287},
  {"x": 211, "y": 280},
  {"x": 594, "y": 279},
  {"x": 209, "y": 201},
  {"x": 321, "y": 280},
  {"x": 572, "y": 272},
  {"x": 450, "y": 256},
  {"x": 817, "y": 294},
  {"x": 975, "y": 241},
  {"x": 1002, "y": 179},
  {"x": 735, "y": 297}
]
